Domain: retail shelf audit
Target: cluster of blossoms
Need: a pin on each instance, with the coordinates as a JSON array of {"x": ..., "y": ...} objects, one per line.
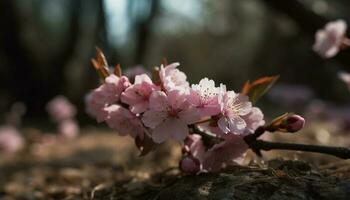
[
  {"x": 63, "y": 112},
  {"x": 168, "y": 107}
]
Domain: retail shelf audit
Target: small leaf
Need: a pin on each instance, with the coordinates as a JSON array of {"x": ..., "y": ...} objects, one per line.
[
  {"x": 277, "y": 122},
  {"x": 155, "y": 76},
  {"x": 118, "y": 70},
  {"x": 258, "y": 88},
  {"x": 101, "y": 57},
  {"x": 145, "y": 144},
  {"x": 100, "y": 64}
]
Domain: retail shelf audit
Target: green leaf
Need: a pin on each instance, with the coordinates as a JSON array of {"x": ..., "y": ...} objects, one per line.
[{"x": 258, "y": 88}]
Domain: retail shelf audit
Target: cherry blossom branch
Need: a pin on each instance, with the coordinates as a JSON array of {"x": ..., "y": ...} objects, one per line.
[{"x": 257, "y": 145}]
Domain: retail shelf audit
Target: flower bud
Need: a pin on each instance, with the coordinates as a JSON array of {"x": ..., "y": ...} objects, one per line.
[
  {"x": 155, "y": 76},
  {"x": 287, "y": 123},
  {"x": 294, "y": 123},
  {"x": 190, "y": 165}
]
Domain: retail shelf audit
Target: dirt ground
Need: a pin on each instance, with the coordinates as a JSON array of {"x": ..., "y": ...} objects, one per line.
[{"x": 101, "y": 165}]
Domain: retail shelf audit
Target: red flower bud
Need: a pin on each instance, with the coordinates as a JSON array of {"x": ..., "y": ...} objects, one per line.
[
  {"x": 294, "y": 123},
  {"x": 190, "y": 165}
]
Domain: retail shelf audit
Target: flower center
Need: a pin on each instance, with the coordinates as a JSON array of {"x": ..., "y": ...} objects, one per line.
[
  {"x": 234, "y": 106},
  {"x": 172, "y": 113}
]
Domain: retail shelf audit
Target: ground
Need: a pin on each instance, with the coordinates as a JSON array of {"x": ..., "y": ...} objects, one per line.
[{"x": 101, "y": 165}]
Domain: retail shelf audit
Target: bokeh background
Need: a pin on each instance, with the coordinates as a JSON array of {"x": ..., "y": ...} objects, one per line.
[
  {"x": 45, "y": 51},
  {"x": 46, "y": 47}
]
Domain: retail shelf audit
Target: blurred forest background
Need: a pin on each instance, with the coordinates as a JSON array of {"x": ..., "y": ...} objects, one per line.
[{"x": 46, "y": 45}]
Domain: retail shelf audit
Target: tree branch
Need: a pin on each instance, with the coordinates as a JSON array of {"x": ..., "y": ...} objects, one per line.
[
  {"x": 340, "y": 152},
  {"x": 257, "y": 145}
]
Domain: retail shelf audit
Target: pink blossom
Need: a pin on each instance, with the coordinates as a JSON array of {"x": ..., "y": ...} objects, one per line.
[
  {"x": 60, "y": 109},
  {"x": 205, "y": 96},
  {"x": 68, "y": 128},
  {"x": 329, "y": 39},
  {"x": 105, "y": 95},
  {"x": 254, "y": 119},
  {"x": 194, "y": 151},
  {"x": 232, "y": 150},
  {"x": 172, "y": 78},
  {"x": 10, "y": 139},
  {"x": 123, "y": 121},
  {"x": 94, "y": 105},
  {"x": 193, "y": 146},
  {"x": 234, "y": 107},
  {"x": 137, "y": 95},
  {"x": 168, "y": 115}
]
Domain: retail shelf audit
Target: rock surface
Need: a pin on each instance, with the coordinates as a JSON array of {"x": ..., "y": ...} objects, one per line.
[
  {"x": 280, "y": 180},
  {"x": 103, "y": 166}
]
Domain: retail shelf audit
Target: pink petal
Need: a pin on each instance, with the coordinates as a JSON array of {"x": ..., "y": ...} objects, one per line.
[
  {"x": 170, "y": 128},
  {"x": 123, "y": 121},
  {"x": 158, "y": 101},
  {"x": 254, "y": 119},
  {"x": 245, "y": 106},
  {"x": 224, "y": 124},
  {"x": 190, "y": 115},
  {"x": 232, "y": 150},
  {"x": 237, "y": 125},
  {"x": 130, "y": 96},
  {"x": 139, "y": 107},
  {"x": 195, "y": 146},
  {"x": 112, "y": 79},
  {"x": 152, "y": 118},
  {"x": 177, "y": 99},
  {"x": 194, "y": 98},
  {"x": 142, "y": 78},
  {"x": 210, "y": 110}
]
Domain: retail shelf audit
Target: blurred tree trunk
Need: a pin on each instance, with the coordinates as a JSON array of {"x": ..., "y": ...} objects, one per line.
[
  {"x": 142, "y": 26},
  {"x": 101, "y": 28},
  {"x": 98, "y": 39},
  {"x": 59, "y": 61},
  {"x": 25, "y": 83}
]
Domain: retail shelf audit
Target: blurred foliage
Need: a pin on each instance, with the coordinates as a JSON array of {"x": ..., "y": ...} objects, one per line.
[{"x": 46, "y": 45}]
